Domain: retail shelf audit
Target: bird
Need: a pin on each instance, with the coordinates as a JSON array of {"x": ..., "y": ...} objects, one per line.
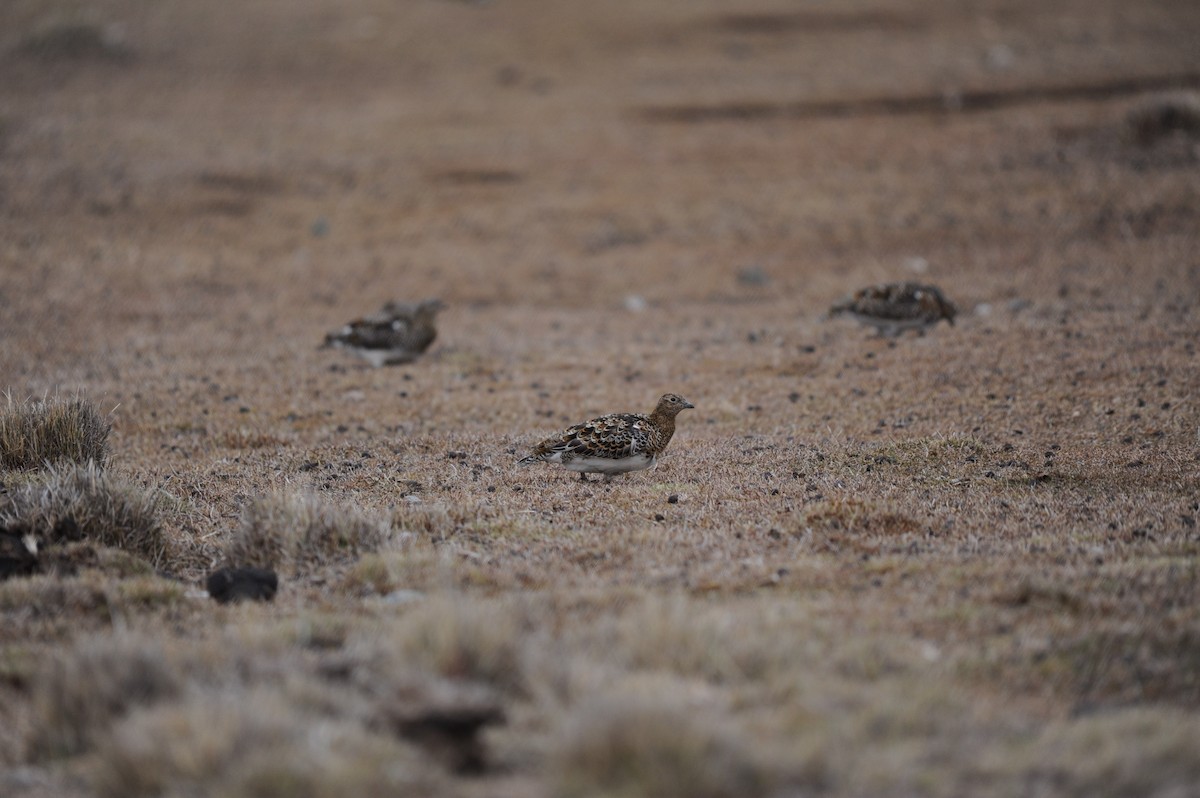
[
  {"x": 397, "y": 334},
  {"x": 18, "y": 553},
  {"x": 892, "y": 308},
  {"x": 614, "y": 444}
]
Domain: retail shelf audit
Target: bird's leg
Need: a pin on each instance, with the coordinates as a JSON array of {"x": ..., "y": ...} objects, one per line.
[{"x": 583, "y": 476}]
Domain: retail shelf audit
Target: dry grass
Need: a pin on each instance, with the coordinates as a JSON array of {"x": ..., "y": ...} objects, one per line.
[
  {"x": 82, "y": 502},
  {"x": 253, "y": 744},
  {"x": 466, "y": 641},
  {"x": 38, "y": 432},
  {"x": 80, "y": 694},
  {"x": 648, "y": 743},
  {"x": 1127, "y": 752},
  {"x": 302, "y": 531}
]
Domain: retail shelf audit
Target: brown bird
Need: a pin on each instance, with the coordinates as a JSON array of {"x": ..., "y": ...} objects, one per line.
[
  {"x": 398, "y": 333},
  {"x": 612, "y": 444},
  {"x": 892, "y": 308}
]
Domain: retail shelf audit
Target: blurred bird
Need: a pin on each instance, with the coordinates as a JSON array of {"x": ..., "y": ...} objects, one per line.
[
  {"x": 892, "y": 308},
  {"x": 398, "y": 333},
  {"x": 612, "y": 444},
  {"x": 18, "y": 553}
]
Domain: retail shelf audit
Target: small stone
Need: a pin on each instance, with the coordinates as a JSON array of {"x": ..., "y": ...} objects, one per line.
[{"x": 753, "y": 275}]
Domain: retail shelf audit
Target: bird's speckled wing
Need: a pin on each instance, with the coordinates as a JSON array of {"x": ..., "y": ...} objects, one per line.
[
  {"x": 895, "y": 302},
  {"x": 377, "y": 333},
  {"x": 368, "y": 334},
  {"x": 614, "y": 436}
]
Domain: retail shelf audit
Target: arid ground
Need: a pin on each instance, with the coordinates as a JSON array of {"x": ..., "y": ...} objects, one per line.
[{"x": 963, "y": 563}]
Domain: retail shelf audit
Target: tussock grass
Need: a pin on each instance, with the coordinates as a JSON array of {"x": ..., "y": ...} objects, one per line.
[
  {"x": 250, "y": 745},
  {"x": 37, "y": 432},
  {"x": 469, "y": 640},
  {"x": 71, "y": 559},
  {"x": 91, "y": 595},
  {"x": 81, "y": 502},
  {"x": 418, "y": 565},
  {"x": 637, "y": 743},
  {"x": 302, "y": 531},
  {"x": 48, "y": 596},
  {"x": 80, "y": 693},
  {"x": 1127, "y": 752},
  {"x": 679, "y": 635}
]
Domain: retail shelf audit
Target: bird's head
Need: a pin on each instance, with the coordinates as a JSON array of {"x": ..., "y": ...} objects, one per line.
[{"x": 672, "y": 403}]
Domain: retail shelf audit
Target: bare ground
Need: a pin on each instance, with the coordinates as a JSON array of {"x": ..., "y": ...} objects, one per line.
[{"x": 963, "y": 563}]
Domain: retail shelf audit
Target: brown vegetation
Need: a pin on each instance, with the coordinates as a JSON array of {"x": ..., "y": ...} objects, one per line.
[
  {"x": 963, "y": 563},
  {"x": 39, "y": 432}
]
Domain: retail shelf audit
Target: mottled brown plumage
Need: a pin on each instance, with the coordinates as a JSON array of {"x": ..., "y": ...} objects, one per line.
[
  {"x": 612, "y": 444},
  {"x": 398, "y": 333},
  {"x": 892, "y": 308}
]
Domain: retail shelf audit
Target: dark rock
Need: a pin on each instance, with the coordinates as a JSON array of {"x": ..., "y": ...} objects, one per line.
[{"x": 239, "y": 584}]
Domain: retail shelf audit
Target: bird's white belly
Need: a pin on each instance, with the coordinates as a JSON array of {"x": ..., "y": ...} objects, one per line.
[
  {"x": 892, "y": 324},
  {"x": 604, "y": 465}
]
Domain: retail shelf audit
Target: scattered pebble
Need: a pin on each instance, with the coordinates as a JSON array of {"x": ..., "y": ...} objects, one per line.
[
  {"x": 1000, "y": 57},
  {"x": 635, "y": 303},
  {"x": 753, "y": 275}
]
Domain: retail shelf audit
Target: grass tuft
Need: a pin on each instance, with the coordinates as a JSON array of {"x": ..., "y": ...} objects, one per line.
[
  {"x": 1127, "y": 752},
  {"x": 38, "y": 432},
  {"x": 82, "y": 503},
  {"x": 467, "y": 640},
  {"x": 43, "y": 596},
  {"x": 79, "y": 694},
  {"x": 258, "y": 744},
  {"x": 302, "y": 531},
  {"x": 636, "y": 744}
]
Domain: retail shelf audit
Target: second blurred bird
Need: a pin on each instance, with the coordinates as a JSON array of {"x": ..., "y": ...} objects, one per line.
[{"x": 397, "y": 334}]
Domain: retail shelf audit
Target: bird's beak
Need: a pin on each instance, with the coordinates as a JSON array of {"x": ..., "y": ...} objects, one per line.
[{"x": 687, "y": 404}]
